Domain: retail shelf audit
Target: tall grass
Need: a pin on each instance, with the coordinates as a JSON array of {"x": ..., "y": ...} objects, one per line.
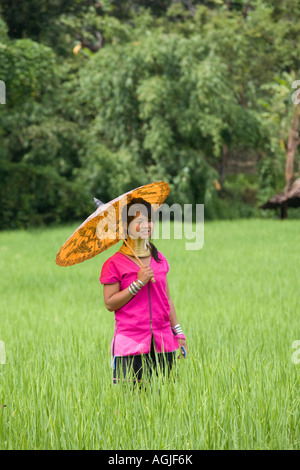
[{"x": 237, "y": 301}]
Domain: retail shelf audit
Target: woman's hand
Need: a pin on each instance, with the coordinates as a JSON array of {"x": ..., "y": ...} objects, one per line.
[
  {"x": 145, "y": 274},
  {"x": 182, "y": 342}
]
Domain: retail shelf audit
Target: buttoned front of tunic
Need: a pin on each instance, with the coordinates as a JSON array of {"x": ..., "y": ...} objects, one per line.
[{"x": 147, "y": 314}]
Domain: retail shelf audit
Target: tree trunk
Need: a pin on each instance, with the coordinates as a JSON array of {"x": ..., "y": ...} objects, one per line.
[
  {"x": 283, "y": 211},
  {"x": 190, "y": 6},
  {"x": 223, "y": 164},
  {"x": 246, "y": 9},
  {"x": 293, "y": 142}
]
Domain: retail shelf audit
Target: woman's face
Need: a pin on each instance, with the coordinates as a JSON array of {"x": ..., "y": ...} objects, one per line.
[{"x": 140, "y": 226}]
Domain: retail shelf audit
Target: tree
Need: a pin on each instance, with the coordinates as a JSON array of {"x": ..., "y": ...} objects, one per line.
[{"x": 111, "y": 96}]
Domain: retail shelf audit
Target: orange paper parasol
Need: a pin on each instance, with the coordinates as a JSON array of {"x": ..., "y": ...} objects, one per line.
[{"x": 104, "y": 227}]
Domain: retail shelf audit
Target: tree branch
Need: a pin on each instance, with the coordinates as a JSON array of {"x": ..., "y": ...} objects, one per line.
[
  {"x": 246, "y": 9},
  {"x": 89, "y": 45}
]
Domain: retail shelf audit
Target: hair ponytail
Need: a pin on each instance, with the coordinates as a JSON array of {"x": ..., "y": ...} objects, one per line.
[{"x": 154, "y": 252}]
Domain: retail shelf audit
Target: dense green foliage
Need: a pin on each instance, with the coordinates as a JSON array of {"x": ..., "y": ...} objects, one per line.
[{"x": 160, "y": 90}]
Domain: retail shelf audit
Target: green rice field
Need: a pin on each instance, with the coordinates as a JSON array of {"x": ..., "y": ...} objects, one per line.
[{"x": 237, "y": 300}]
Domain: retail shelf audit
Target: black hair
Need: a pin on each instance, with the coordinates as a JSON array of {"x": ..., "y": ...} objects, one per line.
[{"x": 150, "y": 214}]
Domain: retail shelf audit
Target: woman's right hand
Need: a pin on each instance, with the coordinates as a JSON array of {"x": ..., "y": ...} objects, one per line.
[{"x": 145, "y": 274}]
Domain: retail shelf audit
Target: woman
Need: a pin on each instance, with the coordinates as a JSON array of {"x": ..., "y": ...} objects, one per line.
[{"x": 146, "y": 325}]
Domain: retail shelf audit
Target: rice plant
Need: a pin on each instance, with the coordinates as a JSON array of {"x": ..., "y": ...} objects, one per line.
[{"x": 237, "y": 301}]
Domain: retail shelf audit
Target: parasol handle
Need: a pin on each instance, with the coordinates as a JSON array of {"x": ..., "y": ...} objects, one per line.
[{"x": 137, "y": 258}]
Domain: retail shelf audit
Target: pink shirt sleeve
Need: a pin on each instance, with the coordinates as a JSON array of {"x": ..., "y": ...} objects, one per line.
[
  {"x": 109, "y": 273},
  {"x": 168, "y": 267},
  {"x": 165, "y": 261}
]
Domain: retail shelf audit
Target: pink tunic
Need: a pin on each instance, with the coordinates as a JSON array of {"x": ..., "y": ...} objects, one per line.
[{"x": 146, "y": 314}]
